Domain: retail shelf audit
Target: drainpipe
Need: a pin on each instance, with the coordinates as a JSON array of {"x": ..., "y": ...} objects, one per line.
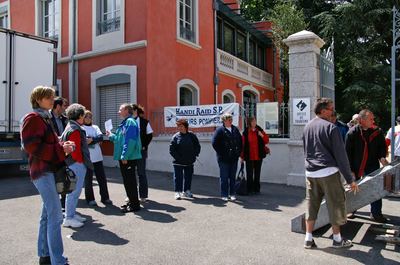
[
  {"x": 73, "y": 51},
  {"x": 216, "y": 78},
  {"x": 273, "y": 73}
]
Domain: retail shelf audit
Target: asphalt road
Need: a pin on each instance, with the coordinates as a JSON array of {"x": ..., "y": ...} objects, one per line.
[{"x": 203, "y": 230}]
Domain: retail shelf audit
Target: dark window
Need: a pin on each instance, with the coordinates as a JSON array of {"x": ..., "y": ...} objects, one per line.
[
  {"x": 219, "y": 33},
  {"x": 228, "y": 39},
  {"x": 185, "y": 96},
  {"x": 241, "y": 46},
  {"x": 252, "y": 52}
]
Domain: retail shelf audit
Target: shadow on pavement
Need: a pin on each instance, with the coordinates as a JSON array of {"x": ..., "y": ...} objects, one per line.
[
  {"x": 351, "y": 230},
  {"x": 16, "y": 186},
  {"x": 93, "y": 232},
  {"x": 361, "y": 256},
  {"x": 158, "y": 212}
]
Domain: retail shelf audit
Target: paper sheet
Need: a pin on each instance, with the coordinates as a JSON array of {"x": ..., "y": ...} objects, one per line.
[{"x": 108, "y": 125}]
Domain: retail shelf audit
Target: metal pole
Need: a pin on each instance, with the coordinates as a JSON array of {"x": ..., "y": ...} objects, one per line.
[{"x": 393, "y": 109}]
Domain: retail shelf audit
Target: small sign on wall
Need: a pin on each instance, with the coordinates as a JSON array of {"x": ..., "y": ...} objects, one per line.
[
  {"x": 268, "y": 117},
  {"x": 301, "y": 111}
]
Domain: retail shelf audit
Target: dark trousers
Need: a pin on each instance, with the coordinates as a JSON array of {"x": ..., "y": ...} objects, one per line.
[
  {"x": 253, "y": 171},
  {"x": 183, "y": 178},
  {"x": 62, "y": 200},
  {"x": 129, "y": 178},
  {"x": 227, "y": 172},
  {"x": 101, "y": 180},
  {"x": 141, "y": 171},
  {"x": 376, "y": 206}
]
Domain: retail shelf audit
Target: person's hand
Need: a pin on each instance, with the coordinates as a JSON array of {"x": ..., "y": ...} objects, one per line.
[
  {"x": 354, "y": 187},
  {"x": 124, "y": 162},
  {"x": 89, "y": 140},
  {"x": 383, "y": 161},
  {"x": 108, "y": 133},
  {"x": 260, "y": 134},
  {"x": 68, "y": 147}
]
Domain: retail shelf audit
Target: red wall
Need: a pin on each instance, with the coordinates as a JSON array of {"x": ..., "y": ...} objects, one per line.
[
  {"x": 135, "y": 19},
  {"x": 23, "y": 15},
  {"x": 169, "y": 61},
  {"x": 84, "y": 26},
  {"x": 64, "y": 28},
  {"x": 87, "y": 66}
]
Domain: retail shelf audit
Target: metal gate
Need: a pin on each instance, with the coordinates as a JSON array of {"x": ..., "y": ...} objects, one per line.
[{"x": 327, "y": 73}]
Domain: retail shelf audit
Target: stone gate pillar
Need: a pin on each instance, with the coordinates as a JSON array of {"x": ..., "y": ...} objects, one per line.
[{"x": 304, "y": 83}]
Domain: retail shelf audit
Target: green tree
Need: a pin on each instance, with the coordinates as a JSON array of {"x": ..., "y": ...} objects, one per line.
[
  {"x": 362, "y": 33},
  {"x": 256, "y": 10},
  {"x": 286, "y": 20}
]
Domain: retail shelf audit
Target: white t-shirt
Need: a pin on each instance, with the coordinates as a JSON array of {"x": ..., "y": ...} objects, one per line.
[
  {"x": 396, "y": 139},
  {"x": 94, "y": 149},
  {"x": 322, "y": 173},
  {"x": 148, "y": 127}
]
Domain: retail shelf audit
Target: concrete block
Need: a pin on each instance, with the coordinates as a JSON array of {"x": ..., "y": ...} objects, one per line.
[{"x": 372, "y": 187}]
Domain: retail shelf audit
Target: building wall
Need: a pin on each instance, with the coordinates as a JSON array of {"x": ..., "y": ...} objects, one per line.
[
  {"x": 170, "y": 60},
  {"x": 23, "y": 16},
  {"x": 274, "y": 169},
  {"x": 65, "y": 28}
]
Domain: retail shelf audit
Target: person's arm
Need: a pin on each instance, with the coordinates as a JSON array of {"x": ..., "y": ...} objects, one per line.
[
  {"x": 265, "y": 137},
  {"x": 32, "y": 133},
  {"x": 196, "y": 144},
  {"x": 173, "y": 148},
  {"x": 242, "y": 153},
  {"x": 382, "y": 149},
  {"x": 131, "y": 133},
  {"x": 217, "y": 140},
  {"x": 75, "y": 137},
  {"x": 349, "y": 148}
]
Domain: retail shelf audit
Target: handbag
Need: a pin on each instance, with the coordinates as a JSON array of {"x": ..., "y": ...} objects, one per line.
[
  {"x": 65, "y": 180},
  {"x": 241, "y": 182}
]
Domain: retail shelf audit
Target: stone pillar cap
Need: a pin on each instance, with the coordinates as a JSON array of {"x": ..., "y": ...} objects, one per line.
[{"x": 304, "y": 36}]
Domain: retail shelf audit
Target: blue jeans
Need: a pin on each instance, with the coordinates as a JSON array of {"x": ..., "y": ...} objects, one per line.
[
  {"x": 182, "y": 173},
  {"x": 227, "y": 172},
  {"x": 72, "y": 198},
  {"x": 50, "y": 239}
]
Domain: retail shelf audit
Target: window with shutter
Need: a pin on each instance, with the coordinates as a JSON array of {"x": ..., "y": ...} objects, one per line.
[{"x": 111, "y": 97}]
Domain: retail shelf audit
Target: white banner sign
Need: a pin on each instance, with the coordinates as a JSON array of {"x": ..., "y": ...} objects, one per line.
[
  {"x": 267, "y": 117},
  {"x": 301, "y": 111},
  {"x": 201, "y": 115}
]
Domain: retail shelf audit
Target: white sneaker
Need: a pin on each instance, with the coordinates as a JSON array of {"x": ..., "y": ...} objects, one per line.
[
  {"x": 79, "y": 218},
  {"x": 72, "y": 223},
  {"x": 177, "y": 195},
  {"x": 143, "y": 199},
  {"x": 188, "y": 194},
  {"x": 233, "y": 198},
  {"x": 225, "y": 199}
]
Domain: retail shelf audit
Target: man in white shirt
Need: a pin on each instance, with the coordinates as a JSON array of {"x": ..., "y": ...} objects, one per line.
[{"x": 396, "y": 139}]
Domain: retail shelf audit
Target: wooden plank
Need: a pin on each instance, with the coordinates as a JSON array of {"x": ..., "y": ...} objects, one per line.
[{"x": 373, "y": 187}]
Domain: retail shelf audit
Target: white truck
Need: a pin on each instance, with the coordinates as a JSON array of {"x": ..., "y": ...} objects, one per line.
[{"x": 26, "y": 61}]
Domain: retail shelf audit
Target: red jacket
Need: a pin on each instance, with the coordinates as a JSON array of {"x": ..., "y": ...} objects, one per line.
[
  {"x": 41, "y": 143},
  {"x": 252, "y": 148}
]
